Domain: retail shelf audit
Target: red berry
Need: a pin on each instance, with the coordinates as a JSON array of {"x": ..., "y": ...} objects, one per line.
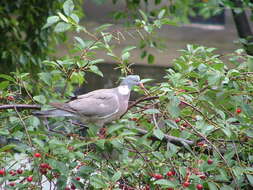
[
  {"x": 10, "y": 98},
  {"x": 177, "y": 120},
  {"x": 78, "y": 178},
  {"x": 202, "y": 177},
  {"x": 173, "y": 172},
  {"x": 170, "y": 188},
  {"x": 201, "y": 143},
  {"x": 12, "y": 184},
  {"x": 67, "y": 188},
  {"x": 238, "y": 110},
  {"x": 186, "y": 184},
  {"x": 43, "y": 170},
  {"x": 12, "y": 172},
  {"x": 147, "y": 187},
  {"x": 73, "y": 186},
  {"x": 44, "y": 165},
  {"x": 37, "y": 155},
  {"x": 19, "y": 171},
  {"x": 157, "y": 176},
  {"x": 71, "y": 148},
  {"x": 2, "y": 172},
  {"x": 209, "y": 161},
  {"x": 30, "y": 179},
  {"x": 185, "y": 124},
  {"x": 134, "y": 119},
  {"x": 169, "y": 173},
  {"x": 199, "y": 187}
]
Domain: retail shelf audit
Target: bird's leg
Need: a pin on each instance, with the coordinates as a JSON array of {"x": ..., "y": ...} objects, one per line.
[{"x": 102, "y": 133}]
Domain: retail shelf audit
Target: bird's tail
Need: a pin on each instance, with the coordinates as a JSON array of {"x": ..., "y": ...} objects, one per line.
[{"x": 52, "y": 113}]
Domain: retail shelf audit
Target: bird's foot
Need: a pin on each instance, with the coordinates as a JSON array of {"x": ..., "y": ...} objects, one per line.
[{"x": 102, "y": 133}]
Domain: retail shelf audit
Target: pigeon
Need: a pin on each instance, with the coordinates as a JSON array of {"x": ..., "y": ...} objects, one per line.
[{"x": 98, "y": 107}]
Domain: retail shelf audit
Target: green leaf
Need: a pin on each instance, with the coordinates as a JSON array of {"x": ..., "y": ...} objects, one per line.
[
  {"x": 158, "y": 133},
  {"x": 116, "y": 176},
  {"x": 151, "y": 111},
  {"x": 170, "y": 123},
  {"x": 75, "y": 18},
  {"x": 77, "y": 77},
  {"x": 151, "y": 59},
  {"x": 63, "y": 17},
  {"x": 34, "y": 121},
  {"x": 4, "y": 84},
  {"x": 207, "y": 129},
  {"x": 68, "y": 7},
  {"x": 7, "y": 147},
  {"x": 86, "y": 170},
  {"x": 41, "y": 99},
  {"x": 144, "y": 16},
  {"x": 114, "y": 128},
  {"x": 80, "y": 41},
  {"x": 40, "y": 143},
  {"x": 168, "y": 21},
  {"x": 173, "y": 108},
  {"x": 226, "y": 187},
  {"x": 61, "y": 182},
  {"x": 96, "y": 70},
  {"x": 227, "y": 132},
  {"x": 57, "y": 165},
  {"x": 250, "y": 178},
  {"x": 46, "y": 77},
  {"x": 62, "y": 27},
  {"x": 102, "y": 27},
  {"x": 107, "y": 37},
  {"x": 100, "y": 143},
  {"x": 161, "y": 13},
  {"x": 128, "y": 48},
  {"x": 97, "y": 182},
  {"x": 125, "y": 56},
  {"x": 7, "y": 77},
  {"x": 212, "y": 186},
  {"x": 4, "y": 132},
  {"x": 50, "y": 21},
  {"x": 165, "y": 182}
]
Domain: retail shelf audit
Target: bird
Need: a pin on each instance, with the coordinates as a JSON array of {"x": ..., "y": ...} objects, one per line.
[{"x": 98, "y": 107}]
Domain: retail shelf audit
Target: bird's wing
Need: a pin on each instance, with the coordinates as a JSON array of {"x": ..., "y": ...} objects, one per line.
[{"x": 99, "y": 103}]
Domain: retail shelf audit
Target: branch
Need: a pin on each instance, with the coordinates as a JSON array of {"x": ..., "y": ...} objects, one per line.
[
  {"x": 142, "y": 99},
  {"x": 19, "y": 106},
  {"x": 174, "y": 140}
]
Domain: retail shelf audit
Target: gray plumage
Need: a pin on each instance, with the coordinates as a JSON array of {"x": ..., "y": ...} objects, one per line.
[{"x": 99, "y": 106}]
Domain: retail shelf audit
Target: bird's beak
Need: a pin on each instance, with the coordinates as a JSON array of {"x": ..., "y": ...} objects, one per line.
[{"x": 141, "y": 85}]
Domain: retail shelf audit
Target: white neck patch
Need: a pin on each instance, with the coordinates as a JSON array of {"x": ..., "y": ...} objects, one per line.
[{"x": 124, "y": 90}]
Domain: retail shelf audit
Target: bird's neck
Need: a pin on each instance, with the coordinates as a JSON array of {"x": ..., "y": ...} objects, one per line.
[{"x": 123, "y": 90}]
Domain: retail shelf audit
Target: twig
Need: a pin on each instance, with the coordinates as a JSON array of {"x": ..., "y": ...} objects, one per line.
[
  {"x": 24, "y": 125},
  {"x": 142, "y": 99},
  {"x": 20, "y": 106},
  {"x": 138, "y": 152},
  {"x": 196, "y": 109}
]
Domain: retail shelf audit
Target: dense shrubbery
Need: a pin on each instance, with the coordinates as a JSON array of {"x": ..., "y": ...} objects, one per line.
[{"x": 194, "y": 130}]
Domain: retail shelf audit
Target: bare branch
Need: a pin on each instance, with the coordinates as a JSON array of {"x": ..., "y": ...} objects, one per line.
[
  {"x": 174, "y": 140},
  {"x": 19, "y": 106}
]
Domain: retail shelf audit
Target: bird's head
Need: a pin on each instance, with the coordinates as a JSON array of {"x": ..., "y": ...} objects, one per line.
[{"x": 131, "y": 80}]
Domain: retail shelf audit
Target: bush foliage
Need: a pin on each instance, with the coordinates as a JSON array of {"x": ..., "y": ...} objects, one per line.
[{"x": 193, "y": 130}]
